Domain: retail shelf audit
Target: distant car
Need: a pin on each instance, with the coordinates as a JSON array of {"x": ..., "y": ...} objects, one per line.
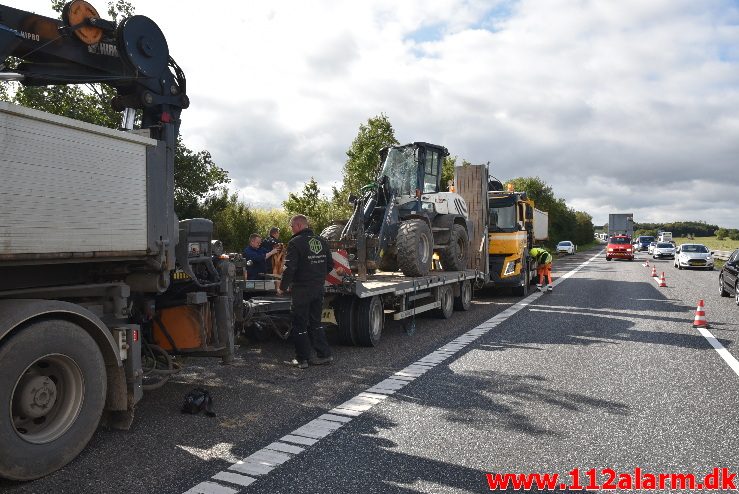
[
  {"x": 663, "y": 249},
  {"x": 566, "y": 247},
  {"x": 619, "y": 247},
  {"x": 642, "y": 242},
  {"x": 650, "y": 247},
  {"x": 728, "y": 278},
  {"x": 693, "y": 256}
]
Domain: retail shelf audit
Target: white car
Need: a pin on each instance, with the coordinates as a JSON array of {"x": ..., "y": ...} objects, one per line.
[
  {"x": 566, "y": 247},
  {"x": 650, "y": 248},
  {"x": 663, "y": 249},
  {"x": 693, "y": 256}
]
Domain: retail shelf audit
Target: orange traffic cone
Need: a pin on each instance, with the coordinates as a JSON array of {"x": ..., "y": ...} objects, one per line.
[
  {"x": 654, "y": 271},
  {"x": 700, "y": 320},
  {"x": 662, "y": 282},
  {"x": 646, "y": 263}
]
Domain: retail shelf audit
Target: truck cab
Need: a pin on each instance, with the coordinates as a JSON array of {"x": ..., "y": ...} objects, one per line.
[
  {"x": 514, "y": 225},
  {"x": 619, "y": 247}
]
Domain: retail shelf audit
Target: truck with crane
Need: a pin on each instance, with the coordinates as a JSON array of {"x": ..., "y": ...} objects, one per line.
[{"x": 99, "y": 281}]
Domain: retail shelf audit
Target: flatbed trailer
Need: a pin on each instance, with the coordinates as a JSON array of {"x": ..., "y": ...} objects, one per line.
[{"x": 358, "y": 307}]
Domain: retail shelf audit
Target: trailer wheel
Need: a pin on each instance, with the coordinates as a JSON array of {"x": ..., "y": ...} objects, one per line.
[
  {"x": 464, "y": 300},
  {"x": 446, "y": 297},
  {"x": 415, "y": 245},
  {"x": 370, "y": 320},
  {"x": 53, "y": 391},
  {"x": 345, "y": 308},
  {"x": 454, "y": 257}
]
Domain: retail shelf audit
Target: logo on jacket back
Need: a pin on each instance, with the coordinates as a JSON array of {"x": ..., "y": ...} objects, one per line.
[{"x": 315, "y": 245}]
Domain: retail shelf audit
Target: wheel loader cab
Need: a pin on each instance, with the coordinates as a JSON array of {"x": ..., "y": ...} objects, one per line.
[{"x": 412, "y": 170}]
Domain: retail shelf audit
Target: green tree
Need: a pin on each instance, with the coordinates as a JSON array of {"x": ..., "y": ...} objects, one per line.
[
  {"x": 562, "y": 219},
  {"x": 721, "y": 233},
  {"x": 311, "y": 203},
  {"x": 584, "y": 229},
  {"x": 363, "y": 157},
  {"x": 196, "y": 177},
  {"x": 268, "y": 218},
  {"x": 233, "y": 220}
]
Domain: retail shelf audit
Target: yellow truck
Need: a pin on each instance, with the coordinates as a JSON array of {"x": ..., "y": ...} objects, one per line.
[{"x": 512, "y": 226}]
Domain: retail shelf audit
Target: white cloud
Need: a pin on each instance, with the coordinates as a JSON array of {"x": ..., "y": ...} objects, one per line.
[{"x": 619, "y": 106}]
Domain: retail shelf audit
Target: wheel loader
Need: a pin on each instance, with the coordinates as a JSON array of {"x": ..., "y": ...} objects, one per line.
[{"x": 405, "y": 220}]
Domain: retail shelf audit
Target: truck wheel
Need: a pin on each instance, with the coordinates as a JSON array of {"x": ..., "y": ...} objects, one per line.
[
  {"x": 446, "y": 297},
  {"x": 332, "y": 232},
  {"x": 454, "y": 257},
  {"x": 464, "y": 301},
  {"x": 53, "y": 389},
  {"x": 345, "y": 308},
  {"x": 415, "y": 245},
  {"x": 389, "y": 263},
  {"x": 523, "y": 290},
  {"x": 370, "y": 319}
]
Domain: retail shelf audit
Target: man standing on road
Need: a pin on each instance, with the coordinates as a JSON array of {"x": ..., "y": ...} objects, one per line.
[
  {"x": 544, "y": 266},
  {"x": 307, "y": 263}
]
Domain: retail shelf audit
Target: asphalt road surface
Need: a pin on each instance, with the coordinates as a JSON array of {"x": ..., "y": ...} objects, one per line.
[{"x": 605, "y": 373}]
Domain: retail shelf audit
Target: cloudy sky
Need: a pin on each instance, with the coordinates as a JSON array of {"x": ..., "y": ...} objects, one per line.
[{"x": 620, "y": 106}]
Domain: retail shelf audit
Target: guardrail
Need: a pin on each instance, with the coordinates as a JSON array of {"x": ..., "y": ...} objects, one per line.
[{"x": 722, "y": 254}]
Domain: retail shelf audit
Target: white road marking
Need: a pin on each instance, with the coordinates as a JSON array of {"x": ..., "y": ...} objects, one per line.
[
  {"x": 234, "y": 478},
  {"x": 211, "y": 488},
  {"x": 728, "y": 358},
  {"x": 265, "y": 460}
]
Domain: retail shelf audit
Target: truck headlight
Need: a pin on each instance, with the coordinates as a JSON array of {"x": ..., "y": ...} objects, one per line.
[
  {"x": 510, "y": 268},
  {"x": 610, "y": 249}
]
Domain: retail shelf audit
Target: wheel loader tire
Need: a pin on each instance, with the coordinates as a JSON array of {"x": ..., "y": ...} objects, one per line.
[
  {"x": 332, "y": 232},
  {"x": 415, "y": 247},
  {"x": 455, "y": 256},
  {"x": 370, "y": 320},
  {"x": 52, "y": 390},
  {"x": 389, "y": 263}
]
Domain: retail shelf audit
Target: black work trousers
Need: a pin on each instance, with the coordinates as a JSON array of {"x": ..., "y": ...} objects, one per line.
[{"x": 307, "y": 332}]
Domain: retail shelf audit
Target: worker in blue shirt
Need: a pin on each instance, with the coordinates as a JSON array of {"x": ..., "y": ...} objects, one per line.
[{"x": 258, "y": 257}]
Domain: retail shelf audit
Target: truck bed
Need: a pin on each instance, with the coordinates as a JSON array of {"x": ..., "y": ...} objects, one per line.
[
  {"x": 377, "y": 284},
  {"x": 70, "y": 189}
]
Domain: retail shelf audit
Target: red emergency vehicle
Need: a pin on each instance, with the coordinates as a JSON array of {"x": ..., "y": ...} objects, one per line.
[{"x": 619, "y": 247}]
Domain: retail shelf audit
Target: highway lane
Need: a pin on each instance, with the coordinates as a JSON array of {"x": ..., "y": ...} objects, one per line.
[{"x": 604, "y": 372}]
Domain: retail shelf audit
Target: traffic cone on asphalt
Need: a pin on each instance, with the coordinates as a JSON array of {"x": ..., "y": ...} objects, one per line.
[
  {"x": 700, "y": 320},
  {"x": 654, "y": 271},
  {"x": 662, "y": 282},
  {"x": 646, "y": 263}
]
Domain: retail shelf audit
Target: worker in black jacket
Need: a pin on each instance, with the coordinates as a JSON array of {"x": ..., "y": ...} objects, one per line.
[{"x": 307, "y": 262}]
